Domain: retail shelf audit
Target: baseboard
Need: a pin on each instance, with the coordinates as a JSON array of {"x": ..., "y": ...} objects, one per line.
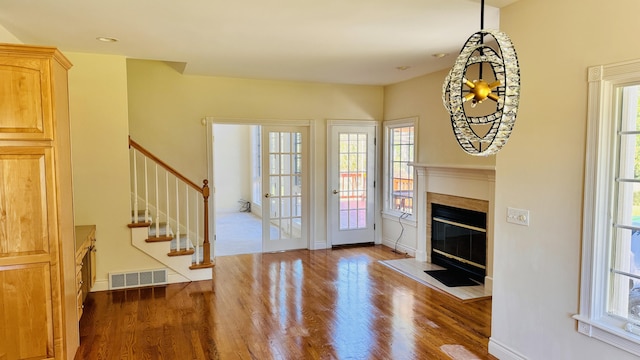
[
  {"x": 488, "y": 283},
  {"x": 399, "y": 247},
  {"x": 503, "y": 352},
  {"x": 319, "y": 245},
  {"x": 100, "y": 285}
]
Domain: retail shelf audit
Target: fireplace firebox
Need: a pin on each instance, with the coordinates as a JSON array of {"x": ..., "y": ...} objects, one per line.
[{"x": 459, "y": 240}]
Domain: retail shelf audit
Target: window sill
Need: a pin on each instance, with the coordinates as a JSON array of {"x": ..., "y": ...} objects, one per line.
[
  {"x": 609, "y": 331},
  {"x": 411, "y": 221}
]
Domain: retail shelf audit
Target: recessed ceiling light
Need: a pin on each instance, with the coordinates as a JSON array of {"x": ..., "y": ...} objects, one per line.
[
  {"x": 439, "y": 55},
  {"x": 403, "y": 68},
  {"x": 106, "y": 39}
]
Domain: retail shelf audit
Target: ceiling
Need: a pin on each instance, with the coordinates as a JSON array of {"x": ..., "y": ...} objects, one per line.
[{"x": 335, "y": 41}]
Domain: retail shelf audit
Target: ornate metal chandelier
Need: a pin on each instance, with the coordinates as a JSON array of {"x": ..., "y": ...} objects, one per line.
[{"x": 483, "y": 128}]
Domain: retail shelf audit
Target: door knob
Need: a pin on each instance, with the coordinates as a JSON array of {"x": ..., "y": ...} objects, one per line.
[
  {"x": 335, "y": 192},
  {"x": 267, "y": 195}
]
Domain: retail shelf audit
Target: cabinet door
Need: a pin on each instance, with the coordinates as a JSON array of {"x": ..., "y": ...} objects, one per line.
[
  {"x": 25, "y": 98},
  {"x": 30, "y": 317},
  {"x": 26, "y": 318}
]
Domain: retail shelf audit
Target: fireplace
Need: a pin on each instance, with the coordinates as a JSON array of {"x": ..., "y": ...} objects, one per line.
[
  {"x": 468, "y": 221},
  {"x": 459, "y": 240},
  {"x": 463, "y": 187}
]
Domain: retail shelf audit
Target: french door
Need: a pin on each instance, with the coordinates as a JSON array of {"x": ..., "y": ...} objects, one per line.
[
  {"x": 351, "y": 173},
  {"x": 284, "y": 185}
]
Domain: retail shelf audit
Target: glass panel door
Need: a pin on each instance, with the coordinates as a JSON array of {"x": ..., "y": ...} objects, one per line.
[
  {"x": 352, "y": 173},
  {"x": 284, "y": 225}
]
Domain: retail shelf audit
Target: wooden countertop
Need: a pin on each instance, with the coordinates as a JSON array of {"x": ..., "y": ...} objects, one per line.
[{"x": 82, "y": 233}]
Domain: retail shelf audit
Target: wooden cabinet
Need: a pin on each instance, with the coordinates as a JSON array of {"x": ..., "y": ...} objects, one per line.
[
  {"x": 37, "y": 280},
  {"x": 85, "y": 263}
]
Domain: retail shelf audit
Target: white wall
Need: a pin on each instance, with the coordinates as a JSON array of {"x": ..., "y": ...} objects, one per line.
[
  {"x": 232, "y": 165},
  {"x": 537, "y": 268}
]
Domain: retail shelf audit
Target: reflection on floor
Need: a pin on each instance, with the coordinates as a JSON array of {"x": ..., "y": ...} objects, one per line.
[
  {"x": 301, "y": 304},
  {"x": 238, "y": 233},
  {"x": 415, "y": 270}
]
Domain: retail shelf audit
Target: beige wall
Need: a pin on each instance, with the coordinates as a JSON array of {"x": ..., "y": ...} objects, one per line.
[
  {"x": 422, "y": 98},
  {"x": 7, "y": 37},
  {"x": 537, "y": 268},
  {"x": 166, "y": 109},
  {"x": 99, "y": 140},
  {"x": 436, "y": 145}
]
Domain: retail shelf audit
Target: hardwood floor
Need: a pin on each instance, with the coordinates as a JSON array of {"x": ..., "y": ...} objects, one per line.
[{"x": 325, "y": 304}]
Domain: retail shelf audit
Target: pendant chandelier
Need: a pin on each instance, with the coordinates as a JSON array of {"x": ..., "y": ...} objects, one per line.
[{"x": 483, "y": 127}]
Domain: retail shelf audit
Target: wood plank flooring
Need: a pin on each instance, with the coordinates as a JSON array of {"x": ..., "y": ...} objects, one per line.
[{"x": 324, "y": 304}]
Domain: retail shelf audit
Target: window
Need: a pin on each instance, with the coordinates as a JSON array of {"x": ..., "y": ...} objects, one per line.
[
  {"x": 610, "y": 286},
  {"x": 399, "y": 151}
]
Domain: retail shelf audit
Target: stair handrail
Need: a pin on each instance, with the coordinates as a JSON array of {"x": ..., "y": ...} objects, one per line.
[
  {"x": 204, "y": 191},
  {"x": 174, "y": 172}
]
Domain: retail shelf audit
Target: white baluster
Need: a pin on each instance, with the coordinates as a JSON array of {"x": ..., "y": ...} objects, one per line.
[
  {"x": 135, "y": 187},
  {"x": 197, "y": 237},
  {"x": 147, "y": 218},
  {"x": 166, "y": 183},
  {"x": 177, "y": 217},
  {"x": 186, "y": 206},
  {"x": 157, "y": 205}
]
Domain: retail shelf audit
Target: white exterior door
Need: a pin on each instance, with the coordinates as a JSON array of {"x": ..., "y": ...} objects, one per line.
[
  {"x": 351, "y": 173},
  {"x": 284, "y": 185}
]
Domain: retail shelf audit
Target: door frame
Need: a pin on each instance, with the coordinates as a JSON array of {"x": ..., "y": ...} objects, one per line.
[
  {"x": 310, "y": 216},
  {"x": 377, "y": 216}
]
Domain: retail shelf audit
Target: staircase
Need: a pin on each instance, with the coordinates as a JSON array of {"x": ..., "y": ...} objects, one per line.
[{"x": 169, "y": 217}]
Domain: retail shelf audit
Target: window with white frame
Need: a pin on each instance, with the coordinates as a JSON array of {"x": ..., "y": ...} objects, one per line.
[
  {"x": 610, "y": 286},
  {"x": 399, "y": 151}
]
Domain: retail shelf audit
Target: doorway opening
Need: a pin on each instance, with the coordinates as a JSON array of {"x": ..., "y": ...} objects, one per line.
[
  {"x": 237, "y": 180},
  {"x": 260, "y": 177}
]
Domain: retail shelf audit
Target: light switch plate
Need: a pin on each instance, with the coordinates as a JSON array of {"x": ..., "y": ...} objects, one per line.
[{"x": 518, "y": 216}]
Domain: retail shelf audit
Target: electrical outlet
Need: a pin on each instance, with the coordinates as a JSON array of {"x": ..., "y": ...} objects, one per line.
[{"x": 518, "y": 216}]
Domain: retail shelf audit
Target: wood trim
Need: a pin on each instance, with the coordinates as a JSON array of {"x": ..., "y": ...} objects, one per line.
[
  {"x": 44, "y": 52},
  {"x": 181, "y": 252},
  {"x": 140, "y": 224},
  {"x": 166, "y": 166},
  {"x": 159, "y": 238},
  {"x": 204, "y": 265}
]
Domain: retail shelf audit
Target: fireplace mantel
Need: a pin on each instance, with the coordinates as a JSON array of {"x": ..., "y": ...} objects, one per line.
[{"x": 472, "y": 182}]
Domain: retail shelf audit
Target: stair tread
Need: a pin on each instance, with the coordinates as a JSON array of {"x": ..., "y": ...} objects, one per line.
[{"x": 159, "y": 238}]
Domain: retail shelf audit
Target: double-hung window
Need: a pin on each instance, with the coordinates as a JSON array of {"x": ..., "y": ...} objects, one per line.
[
  {"x": 610, "y": 284},
  {"x": 400, "y": 146}
]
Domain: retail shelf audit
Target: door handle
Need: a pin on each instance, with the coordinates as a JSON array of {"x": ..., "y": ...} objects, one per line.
[
  {"x": 267, "y": 195},
  {"x": 335, "y": 192}
]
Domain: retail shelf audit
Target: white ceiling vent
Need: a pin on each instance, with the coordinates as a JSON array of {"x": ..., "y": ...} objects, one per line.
[{"x": 137, "y": 279}]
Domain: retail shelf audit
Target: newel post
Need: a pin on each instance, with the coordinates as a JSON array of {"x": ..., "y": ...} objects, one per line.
[{"x": 206, "y": 245}]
